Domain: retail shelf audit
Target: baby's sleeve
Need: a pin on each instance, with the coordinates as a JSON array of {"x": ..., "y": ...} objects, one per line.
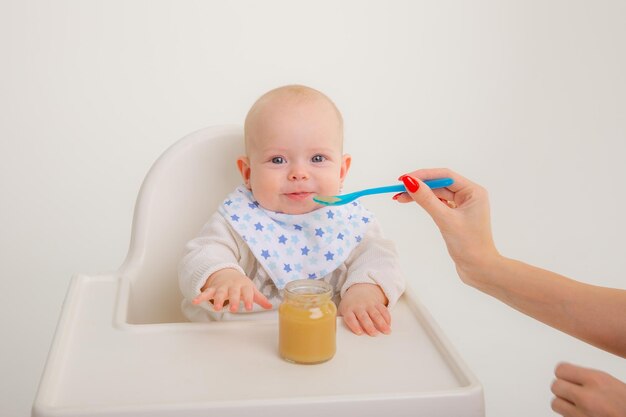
[
  {"x": 375, "y": 261},
  {"x": 214, "y": 249}
]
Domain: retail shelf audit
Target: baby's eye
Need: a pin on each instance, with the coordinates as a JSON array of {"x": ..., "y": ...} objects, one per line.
[
  {"x": 278, "y": 160},
  {"x": 318, "y": 158}
]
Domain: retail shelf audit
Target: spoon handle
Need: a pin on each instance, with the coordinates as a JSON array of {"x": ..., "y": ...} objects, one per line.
[{"x": 433, "y": 184}]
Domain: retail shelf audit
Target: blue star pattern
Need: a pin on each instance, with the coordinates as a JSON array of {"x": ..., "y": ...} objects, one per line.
[{"x": 290, "y": 247}]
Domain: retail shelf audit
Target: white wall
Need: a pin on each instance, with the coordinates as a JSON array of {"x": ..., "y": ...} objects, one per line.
[{"x": 526, "y": 97}]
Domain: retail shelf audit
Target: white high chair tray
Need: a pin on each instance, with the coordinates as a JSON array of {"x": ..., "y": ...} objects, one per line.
[{"x": 96, "y": 368}]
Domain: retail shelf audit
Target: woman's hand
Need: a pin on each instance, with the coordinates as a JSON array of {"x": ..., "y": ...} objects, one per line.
[
  {"x": 461, "y": 211},
  {"x": 583, "y": 392}
]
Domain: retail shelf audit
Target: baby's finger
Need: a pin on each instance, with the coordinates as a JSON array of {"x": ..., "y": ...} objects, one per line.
[
  {"x": 353, "y": 323},
  {"x": 221, "y": 295},
  {"x": 384, "y": 311},
  {"x": 366, "y": 322},
  {"x": 261, "y": 300},
  {"x": 379, "y": 321},
  {"x": 247, "y": 296},
  {"x": 206, "y": 295},
  {"x": 234, "y": 294}
]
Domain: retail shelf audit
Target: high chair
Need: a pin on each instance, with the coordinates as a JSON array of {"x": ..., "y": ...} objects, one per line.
[{"x": 123, "y": 348}]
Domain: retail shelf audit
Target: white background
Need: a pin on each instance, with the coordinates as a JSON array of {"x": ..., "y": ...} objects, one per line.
[{"x": 527, "y": 98}]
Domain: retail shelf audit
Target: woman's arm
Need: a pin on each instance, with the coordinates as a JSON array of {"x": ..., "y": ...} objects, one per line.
[{"x": 596, "y": 315}]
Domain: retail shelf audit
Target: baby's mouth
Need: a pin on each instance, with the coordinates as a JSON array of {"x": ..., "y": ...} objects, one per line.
[{"x": 299, "y": 196}]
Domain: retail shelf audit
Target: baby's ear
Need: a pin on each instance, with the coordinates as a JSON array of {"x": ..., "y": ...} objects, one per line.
[
  {"x": 243, "y": 165},
  {"x": 346, "y": 160}
]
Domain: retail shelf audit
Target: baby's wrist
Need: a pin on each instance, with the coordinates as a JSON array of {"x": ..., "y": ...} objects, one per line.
[
  {"x": 375, "y": 289},
  {"x": 216, "y": 275}
]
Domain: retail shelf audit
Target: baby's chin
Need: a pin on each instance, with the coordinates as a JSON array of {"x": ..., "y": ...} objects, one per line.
[
  {"x": 296, "y": 212},
  {"x": 300, "y": 210},
  {"x": 302, "y": 207}
]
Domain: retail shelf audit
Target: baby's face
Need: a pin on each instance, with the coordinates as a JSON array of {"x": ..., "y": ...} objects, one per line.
[{"x": 294, "y": 153}]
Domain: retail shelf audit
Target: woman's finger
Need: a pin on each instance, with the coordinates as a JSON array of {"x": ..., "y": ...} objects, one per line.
[
  {"x": 566, "y": 390},
  {"x": 565, "y": 408},
  {"x": 439, "y": 192},
  {"x": 424, "y": 196},
  {"x": 460, "y": 182},
  {"x": 572, "y": 373}
]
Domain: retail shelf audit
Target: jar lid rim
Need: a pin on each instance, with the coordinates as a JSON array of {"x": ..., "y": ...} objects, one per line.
[{"x": 308, "y": 287}]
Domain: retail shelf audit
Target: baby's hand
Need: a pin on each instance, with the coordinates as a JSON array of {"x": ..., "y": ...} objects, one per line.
[
  {"x": 232, "y": 286},
  {"x": 363, "y": 308}
]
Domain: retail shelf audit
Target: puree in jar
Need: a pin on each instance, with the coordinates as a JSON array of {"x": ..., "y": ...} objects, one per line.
[{"x": 307, "y": 322}]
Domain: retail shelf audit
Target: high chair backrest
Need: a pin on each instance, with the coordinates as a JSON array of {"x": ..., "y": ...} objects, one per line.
[{"x": 179, "y": 194}]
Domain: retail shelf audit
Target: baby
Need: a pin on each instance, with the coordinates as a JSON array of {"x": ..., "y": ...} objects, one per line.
[{"x": 269, "y": 231}]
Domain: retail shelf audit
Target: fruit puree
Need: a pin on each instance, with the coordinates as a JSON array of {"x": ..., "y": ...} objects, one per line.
[{"x": 307, "y": 322}]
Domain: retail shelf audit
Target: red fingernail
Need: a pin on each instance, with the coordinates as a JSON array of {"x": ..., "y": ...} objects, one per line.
[
  {"x": 401, "y": 177},
  {"x": 410, "y": 183},
  {"x": 395, "y": 197}
]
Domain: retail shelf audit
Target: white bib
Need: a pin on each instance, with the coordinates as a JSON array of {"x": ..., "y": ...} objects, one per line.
[{"x": 296, "y": 246}]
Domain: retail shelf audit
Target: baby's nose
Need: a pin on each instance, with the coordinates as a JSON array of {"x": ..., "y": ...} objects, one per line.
[{"x": 298, "y": 172}]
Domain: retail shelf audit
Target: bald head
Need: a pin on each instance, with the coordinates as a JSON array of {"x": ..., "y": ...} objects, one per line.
[{"x": 292, "y": 98}]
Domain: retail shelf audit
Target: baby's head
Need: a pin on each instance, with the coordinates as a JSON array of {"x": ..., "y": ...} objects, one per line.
[{"x": 294, "y": 149}]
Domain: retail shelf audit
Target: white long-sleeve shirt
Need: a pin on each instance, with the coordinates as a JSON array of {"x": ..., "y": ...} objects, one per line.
[{"x": 374, "y": 260}]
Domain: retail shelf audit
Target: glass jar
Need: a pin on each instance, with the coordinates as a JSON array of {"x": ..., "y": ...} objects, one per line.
[{"x": 307, "y": 322}]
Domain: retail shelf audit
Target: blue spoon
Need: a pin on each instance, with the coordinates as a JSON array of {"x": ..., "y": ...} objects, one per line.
[{"x": 337, "y": 200}]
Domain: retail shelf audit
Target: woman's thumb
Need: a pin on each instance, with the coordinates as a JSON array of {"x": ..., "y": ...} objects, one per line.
[{"x": 423, "y": 196}]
